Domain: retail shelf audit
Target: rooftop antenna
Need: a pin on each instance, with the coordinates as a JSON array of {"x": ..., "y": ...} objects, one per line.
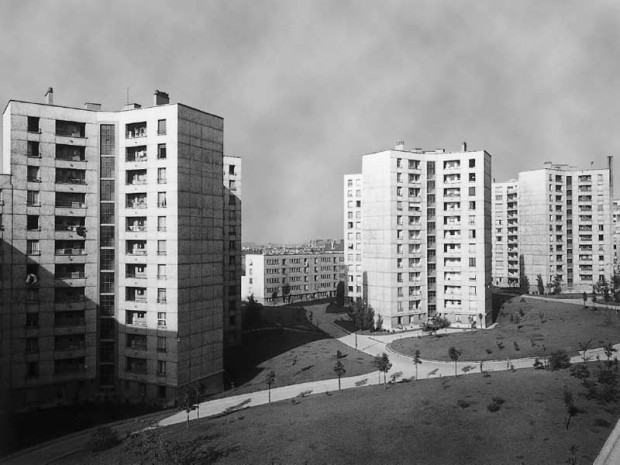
[{"x": 127, "y": 96}]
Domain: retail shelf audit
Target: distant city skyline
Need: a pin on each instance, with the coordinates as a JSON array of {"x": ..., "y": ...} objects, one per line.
[{"x": 308, "y": 87}]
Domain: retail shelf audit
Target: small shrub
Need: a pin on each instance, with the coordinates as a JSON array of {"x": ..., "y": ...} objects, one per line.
[
  {"x": 522, "y": 300},
  {"x": 103, "y": 438},
  {"x": 558, "y": 360},
  {"x": 500, "y": 345},
  {"x": 498, "y": 400},
  {"x": 492, "y": 407},
  {"x": 602, "y": 422},
  {"x": 516, "y": 346},
  {"x": 580, "y": 372},
  {"x": 489, "y": 351},
  {"x": 521, "y": 312},
  {"x": 538, "y": 364},
  {"x": 463, "y": 403}
]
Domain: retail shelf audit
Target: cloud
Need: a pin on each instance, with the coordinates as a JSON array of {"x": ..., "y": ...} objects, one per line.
[{"x": 307, "y": 87}]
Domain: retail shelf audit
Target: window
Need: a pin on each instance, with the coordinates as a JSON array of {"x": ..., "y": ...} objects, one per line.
[
  {"x": 161, "y": 296},
  {"x": 33, "y": 370},
  {"x": 231, "y": 170},
  {"x": 33, "y": 124},
  {"x": 161, "y": 151},
  {"x": 32, "y": 199},
  {"x": 161, "y": 127},
  {"x": 161, "y": 223},
  {"x": 161, "y": 199},
  {"x": 161, "y": 247},
  {"x": 106, "y": 283},
  {"x": 107, "y": 167},
  {"x": 33, "y": 174},
  {"x": 472, "y": 205},
  {"x": 135, "y": 130},
  {"x": 472, "y": 191},
  {"x": 472, "y": 162},
  {"x": 32, "y": 149},
  {"x": 107, "y": 259},
  {"x": 33, "y": 247},
  {"x": 161, "y": 271},
  {"x": 161, "y": 175},
  {"x": 32, "y": 222},
  {"x": 472, "y": 262},
  {"x": 32, "y": 319},
  {"x": 161, "y": 367},
  {"x": 161, "y": 344},
  {"x": 161, "y": 318}
]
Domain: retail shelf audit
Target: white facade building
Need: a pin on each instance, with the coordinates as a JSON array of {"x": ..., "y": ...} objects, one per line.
[
  {"x": 425, "y": 233},
  {"x": 563, "y": 228}
]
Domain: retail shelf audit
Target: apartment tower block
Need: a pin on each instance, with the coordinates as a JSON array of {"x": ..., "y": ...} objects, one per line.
[
  {"x": 113, "y": 251},
  {"x": 420, "y": 222}
]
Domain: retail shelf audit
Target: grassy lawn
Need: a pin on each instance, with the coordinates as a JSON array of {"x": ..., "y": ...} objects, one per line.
[
  {"x": 537, "y": 327},
  {"x": 436, "y": 421},
  {"x": 296, "y": 351}
]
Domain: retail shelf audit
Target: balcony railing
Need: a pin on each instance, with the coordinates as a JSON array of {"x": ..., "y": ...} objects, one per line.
[
  {"x": 141, "y": 203},
  {"x": 70, "y": 252},
  {"x": 137, "y": 345},
  {"x": 66, "y": 322},
  {"x": 70, "y": 346},
  {"x": 69, "y": 204},
  {"x": 137, "y": 322},
  {"x": 137, "y": 228},
  {"x": 70, "y": 180},
  {"x": 34, "y": 179},
  {"x": 136, "y": 252},
  {"x": 136, "y": 275},
  {"x": 71, "y": 275}
]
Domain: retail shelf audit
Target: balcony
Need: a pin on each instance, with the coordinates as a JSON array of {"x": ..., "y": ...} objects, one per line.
[
  {"x": 69, "y": 322},
  {"x": 136, "y": 201},
  {"x": 70, "y": 275},
  {"x": 70, "y": 153},
  {"x": 136, "y": 177},
  {"x": 136, "y": 154},
  {"x": 70, "y": 129},
  {"x": 135, "y": 130}
]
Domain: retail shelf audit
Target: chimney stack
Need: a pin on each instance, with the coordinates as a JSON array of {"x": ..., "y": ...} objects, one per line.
[
  {"x": 400, "y": 145},
  {"x": 92, "y": 106},
  {"x": 49, "y": 96},
  {"x": 464, "y": 147},
  {"x": 161, "y": 98}
]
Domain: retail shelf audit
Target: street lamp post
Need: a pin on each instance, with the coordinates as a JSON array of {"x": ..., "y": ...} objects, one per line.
[{"x": 356, "y": 339}]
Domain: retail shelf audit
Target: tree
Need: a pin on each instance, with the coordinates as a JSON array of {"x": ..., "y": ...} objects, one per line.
[
  {"x": 362, "y": 316},
  {"x": 571, "y": 408},
  {"x": 274, "y": 296},
  {"x": 201, "y": 389},
  {"x": 602, "y": 287},
  {"x": 286, "y": 292},
  {"x": 584, "y": 347},
  {"x": 524, "y": 284},
  {"x": 340, "y": 371},
  {"x": 609, "y": 351},
  {"x": 540, "y": 284},
  {"x": 454, "y": 355},
  {"x": 379, "y": 323},
  {"x": 435, "y": 324},
  {"x": 594, "y": 299},
  {"x": 340, "y": 294},
  {"x": 186, "y": 400},
  {"x": 585, "y": 299},
  {"x": 270, "y": 379},
  {"x": 252, "y": 314},
  {"x": 383, "y": 364},
  {"x": 556, "y": 285},
  {"x": 615, "y": 285},
  {"x": 416, "y": 361}
]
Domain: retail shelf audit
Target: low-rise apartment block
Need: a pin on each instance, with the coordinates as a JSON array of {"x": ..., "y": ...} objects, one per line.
[
  {"x": 420, "y": 221},
  {"x": 292, "y": 277}
]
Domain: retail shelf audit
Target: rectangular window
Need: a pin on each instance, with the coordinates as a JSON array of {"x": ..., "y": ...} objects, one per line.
[
  {"x": 472, "y": 262},
  {"x": 472, "y": 205},
  {"x": 161, "y": 318},
  {"x": 33, "y": 247},
  {"x": 472, "y": 191},
  {"x": 161, "y": 367},
  {"x": 106, "y": 283},
  {"x": 161, "y": 151},
  {"x": 33, "y": 174},
  {"x": 107, "y": 189},
  {"x": 161, "y": 247},
  {"x": 161, "y": 296},
  {"x": 107, "y": 167},
  {"x": 107, "y": 139},
  {"x": 161, "y": 175},
  {"x": 161, "y": 271},
  {"x": 32, "y": 344},
  {"x": 161, "y": 127},
  {"x": 472, "y": 162},
  {"x": 33, "y": 199},
  {"x": 107, "y": 213},
  {"x": 161, "y": 344},
  {"x": 32, "y": 149},
  {"x": 161, "y": 223},
  {"x": 33, "y": 124},
  {"x": 161, "y": 199},
  {"x": 32, "y": 222}
]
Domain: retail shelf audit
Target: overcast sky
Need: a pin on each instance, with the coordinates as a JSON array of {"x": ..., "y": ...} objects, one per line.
[{"x": 307, "y": 87}]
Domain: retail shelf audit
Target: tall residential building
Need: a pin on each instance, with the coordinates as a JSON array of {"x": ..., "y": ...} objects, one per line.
[
  {"x": 292, "y": 277},
  {"x": 232, "y": 251},
  {"x": 555, "y": 222},
  {"x": 424, "y": 228},
  {"x": 113, "y": 251},
  {"x": 353, "y": 244},
  {"x": 616, "y": 234}
]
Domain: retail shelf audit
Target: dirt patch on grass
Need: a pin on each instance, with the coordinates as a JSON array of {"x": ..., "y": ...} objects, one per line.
[
  {"x": 353, "y": 426},
  {"x": 525, "y": 328}
]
